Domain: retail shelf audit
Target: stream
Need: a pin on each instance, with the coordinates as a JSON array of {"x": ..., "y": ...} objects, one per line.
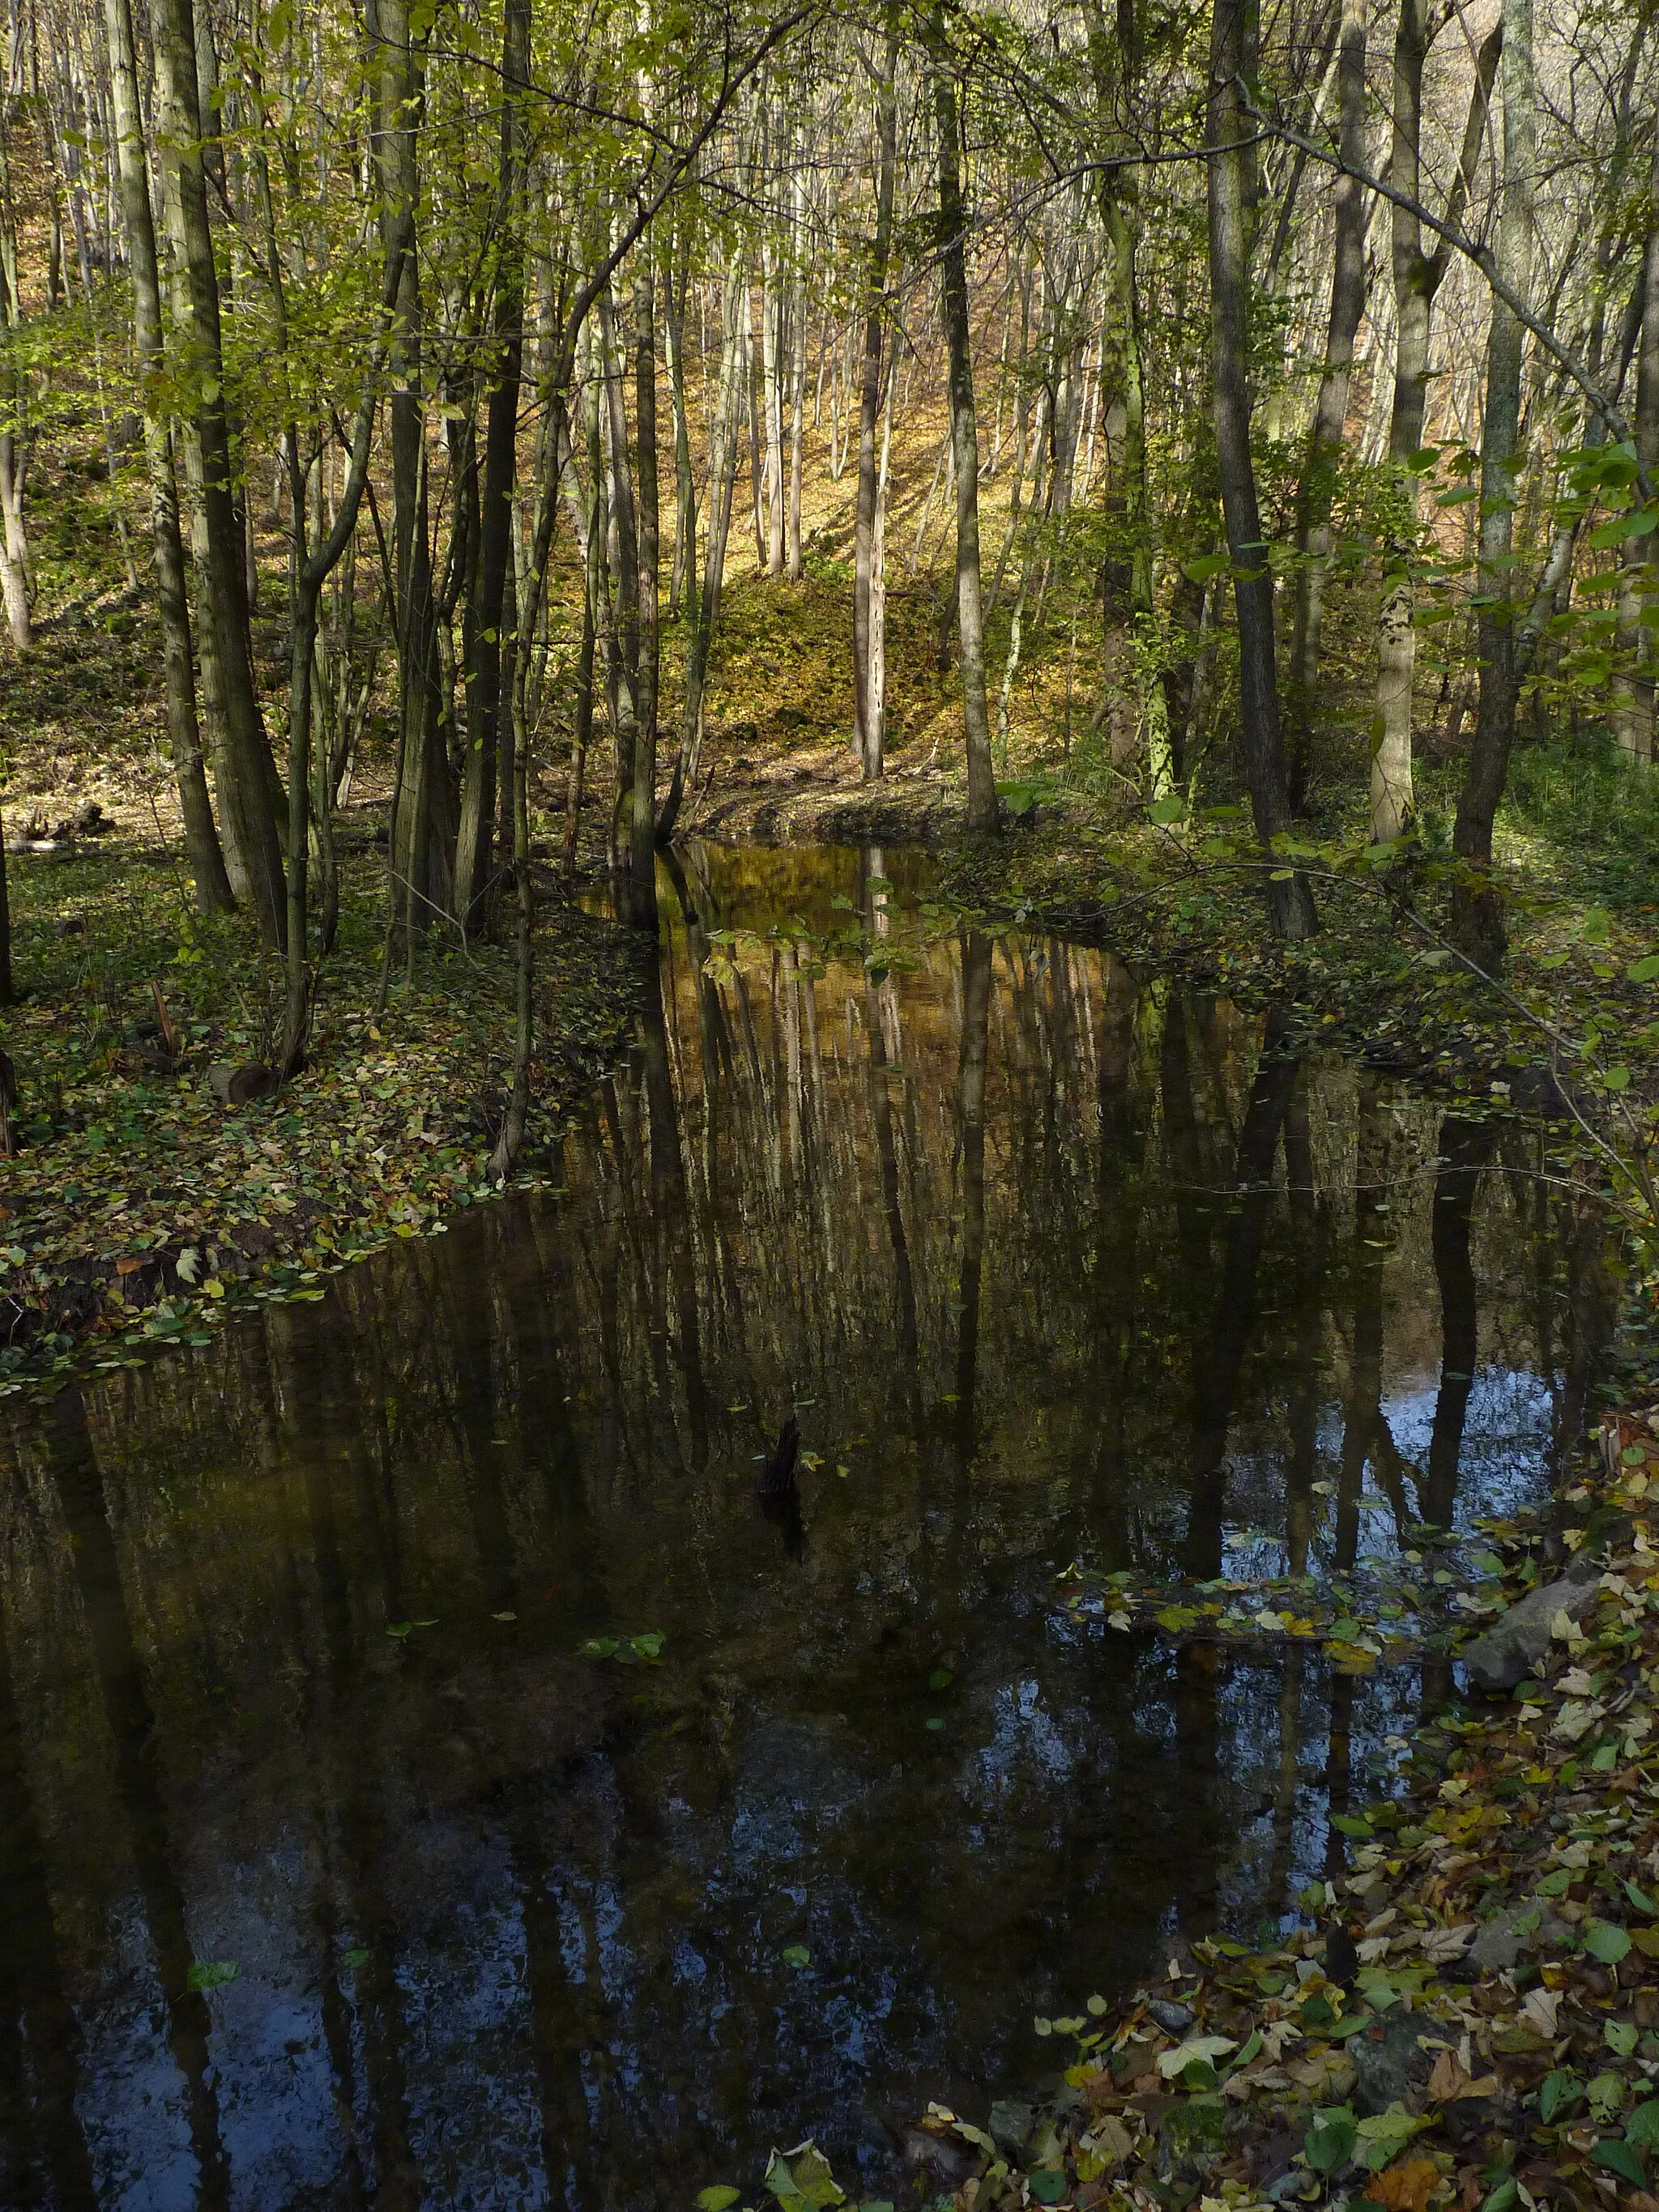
[{"x": 430, "y": 1777}]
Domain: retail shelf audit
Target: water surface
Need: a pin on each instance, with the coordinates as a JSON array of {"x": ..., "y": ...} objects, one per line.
[{"x": 1052, "y": 1264}]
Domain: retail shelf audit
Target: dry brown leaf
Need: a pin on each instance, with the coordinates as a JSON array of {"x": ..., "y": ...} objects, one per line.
[{"x": 1452, "y": 2080}]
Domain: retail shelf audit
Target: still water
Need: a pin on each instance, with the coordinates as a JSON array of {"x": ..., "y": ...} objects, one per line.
[{"x": 1054, "y": 1265}]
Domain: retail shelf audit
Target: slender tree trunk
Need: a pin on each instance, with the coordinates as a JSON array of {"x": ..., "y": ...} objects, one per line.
[
  {"x": 491, "y": 691},
  {"x": 623, "y": 601},
  {"x": 1315, "y": 492},
  {"x": 643, "y": 891},
  {"x": 1417, "y": 278},
  {"x": 723, "y": 454},
  {"x": 983, "y": 813},
  {"x": 1477, "y": 912},
  {"x": 213, "y": 891},
  {"x": 1136, "y": 704},
  {"x": 683, "y": 579},
  {"x": 242, "y": 753},
  {"x": 772, "y": 367},
  {"x": 13, "y": 543},
  {"x": 867, "y": 732},
  {"x": 796, "y": 558},
  {"x": 423, "y": 827},
  {"x": 1633, "y": 699},
  {"x": 1289, "y": 901}
]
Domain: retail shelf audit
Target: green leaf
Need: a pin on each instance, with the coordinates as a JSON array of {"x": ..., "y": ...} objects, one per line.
[
  {"x": 210, "y": 1974},
  {"x": 1559, "y": 2092},
  {"x": 802, "y": 2177},
  {"x": 797, "y": 1955},
  {"x": 1622, "y": 2036},
  {"x": 1164, "y": 810},
  {"x": 1618, "y": 2158},
  {"x": 1635, "y": 522},
  {"x": 1331, "y": 2139},
  {"x": 940, "y": 1679},
  {"x": 1352, "y": 1824},
  {"x": 1645, "y": 970},
  {"x": 1642, "y": 2128},
  {"x": 358, "y": 1956},
  {"x": 1616, "y": 1079},
  {"x": 1504, "y": 2198},
  {"x": 1206, "y": 566},
  {"x": 717, "y": 2198},
  {"x": 1045, "y": 2184},
  {"x": 1606, "y": 1942}
]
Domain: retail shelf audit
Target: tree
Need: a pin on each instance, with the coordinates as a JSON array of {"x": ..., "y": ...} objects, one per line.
[
  {"x": 1289, "y": 901},
  {"x": 952, "y": 249}
]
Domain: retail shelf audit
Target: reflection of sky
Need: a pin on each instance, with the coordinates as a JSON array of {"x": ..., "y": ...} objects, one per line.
[
  {"x": 132, "y": 2098},
  {"x": 1506, "y": 1437},
  {"x": 1501, "y": 1468}
]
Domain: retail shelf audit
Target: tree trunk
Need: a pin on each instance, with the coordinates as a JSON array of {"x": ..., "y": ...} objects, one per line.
[
  {"x": 1417, "y": 278},
  {"x": 207, "y": 862},
  {"x": 867, "y": 733},
  {"x": 490, "y": 692},
  {"x": 1477, "y": 913},
  {"x": 1316, "y": 490},
  {"x": 795, "y": 555},
  {"x": 772, "y": 365},
  {"x": 14, "y": 544},
  {"x": 642, "y": 895},
  {"x": 723, "y": 453},
  {"x": 242, "y": 752},
  {"x": 1133, "y": 704},
  {"x": 1289, "y": 899},
  {"x": 982, "y": 814},
  {"x": 621, "y": 602},
  {"x": 1633, "y": 700},
  {"x": 683, "y": 577},
  {"x": 423, "y": 827}
]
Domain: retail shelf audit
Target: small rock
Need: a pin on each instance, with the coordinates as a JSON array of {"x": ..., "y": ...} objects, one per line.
[
  {"x": 1292, "y": 2185},
  {"x": 1498, "y": 1944},
  {"x": 1174, "y": 2019},
  {"x": 1388, "y": 2061},
  {"x": 1010, "y": 2124},
  {"x": 238, "y": 1087},
  {"x": 1512, "y": 1647},
  {"x": 951, "y": 2163},
  {"x": 1193, "y": 2134}
]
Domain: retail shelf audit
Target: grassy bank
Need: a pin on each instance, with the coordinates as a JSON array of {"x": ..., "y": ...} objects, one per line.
[{"x": 140, "y": 1205}]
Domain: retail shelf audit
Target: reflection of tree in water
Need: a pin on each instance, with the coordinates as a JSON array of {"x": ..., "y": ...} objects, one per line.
[{"x": 1052, "y": 1261}]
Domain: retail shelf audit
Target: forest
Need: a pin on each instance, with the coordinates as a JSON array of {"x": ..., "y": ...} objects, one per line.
[{"x": 829, "y": 1103}]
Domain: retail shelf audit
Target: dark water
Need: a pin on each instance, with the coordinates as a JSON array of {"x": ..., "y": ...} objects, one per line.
[{"x": 1055, "y": 1265}]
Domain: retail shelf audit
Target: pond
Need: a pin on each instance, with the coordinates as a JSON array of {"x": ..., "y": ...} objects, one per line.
[{"x": 429, "y": 1776}]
